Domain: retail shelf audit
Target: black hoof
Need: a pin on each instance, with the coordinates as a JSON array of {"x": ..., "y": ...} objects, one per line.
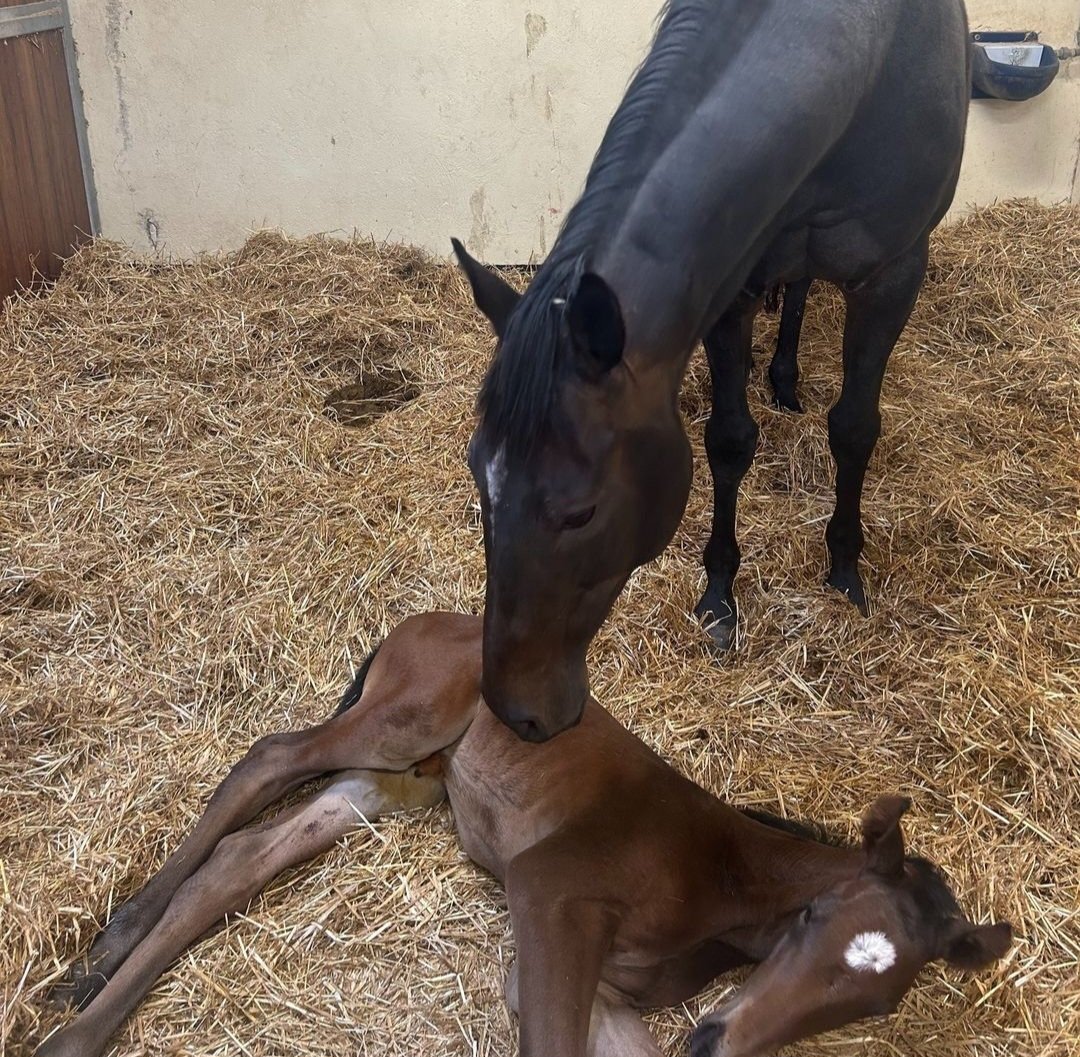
[
  {"x": 719, "y": 620},
  {"x": 850, "y": 584},
  {"x": 78, "y": 988},
  {"x": 722, "y": 635},
  {"x": 787, "y": 402}
]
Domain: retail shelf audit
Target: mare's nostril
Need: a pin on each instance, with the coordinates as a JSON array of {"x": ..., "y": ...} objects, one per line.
[
  {"x": 706, "y": 1037},
  {"x": 528, "y": 730}
]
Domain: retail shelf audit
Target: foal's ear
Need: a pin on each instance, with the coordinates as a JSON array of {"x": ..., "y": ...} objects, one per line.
[
  {"x": 595, "y": 320},
  {"x": 493, "y": 295},
  {"x": 882, "y": 840},
  {"x": 973, "y": 947}
]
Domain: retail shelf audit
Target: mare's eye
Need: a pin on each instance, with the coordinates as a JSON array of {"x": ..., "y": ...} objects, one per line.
[
  {"x": 579, "y": 519},
  {"x": 807, "y": 914}
]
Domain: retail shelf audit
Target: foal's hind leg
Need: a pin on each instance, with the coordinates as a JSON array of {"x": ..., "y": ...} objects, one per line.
[
  {"x": 876, "y": 314},
  {"x": 730, "y": 440},
  {"x": 240, "y": 867},
  {"x": 274, "y": 766},
  {"x": 784, "y": 369},
  {"x": 410, "y": 708}
]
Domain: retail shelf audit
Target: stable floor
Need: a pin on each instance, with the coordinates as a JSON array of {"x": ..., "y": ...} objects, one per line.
[{"x": 222, "y": 480}]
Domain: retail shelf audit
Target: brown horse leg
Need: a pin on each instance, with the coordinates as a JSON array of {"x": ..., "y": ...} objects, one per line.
[
  {"x": 409, "y": 709},
  {"x": 876, "y": 314},
  {"x": 561, "y": 943},
  {"x": 615, "y": 1030},
  {"x": 618, "y": 1031},
  {"x": 274, "y": 766},
  {"x": 240, "y": 867},
  {"x": 730, "y": 440},
  {"x": 784, "y": 369}
]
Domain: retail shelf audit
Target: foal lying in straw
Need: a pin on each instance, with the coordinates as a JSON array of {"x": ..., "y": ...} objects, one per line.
[{"x": 628, "y": 885}]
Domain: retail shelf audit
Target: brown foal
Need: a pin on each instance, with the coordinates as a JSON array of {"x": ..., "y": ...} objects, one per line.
[{"x": 628, "y": 885}]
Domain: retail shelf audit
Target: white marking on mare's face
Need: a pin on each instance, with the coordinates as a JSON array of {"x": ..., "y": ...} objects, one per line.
[
  {"x": 495, "y": 474},
  {"x": 870, "y": 952}
]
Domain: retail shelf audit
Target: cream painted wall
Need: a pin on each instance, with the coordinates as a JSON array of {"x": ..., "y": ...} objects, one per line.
[{"x": 419, "y": 120}]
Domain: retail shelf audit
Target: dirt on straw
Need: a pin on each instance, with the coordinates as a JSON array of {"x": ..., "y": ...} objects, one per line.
[{"x": 195, "y": 544}]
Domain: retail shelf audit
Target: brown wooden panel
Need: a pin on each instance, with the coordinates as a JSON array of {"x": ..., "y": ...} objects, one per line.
[{"x": 43, "y": 212}]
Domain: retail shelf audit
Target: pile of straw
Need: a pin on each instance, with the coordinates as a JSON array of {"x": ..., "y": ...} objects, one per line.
[{"x": 195, "y": 547}]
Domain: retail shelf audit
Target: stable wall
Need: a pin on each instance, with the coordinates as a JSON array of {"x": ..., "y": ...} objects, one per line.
[{"x": 415, "y": 120}]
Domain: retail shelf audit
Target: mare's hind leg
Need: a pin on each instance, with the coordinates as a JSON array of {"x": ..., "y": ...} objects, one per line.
[
  {"x": 730, "y": 440},
  {"x": 241, "y": 866},
  {"x": 876, "y": 314},
  {"x": 419, "y": 696},
  {"x": 784, "y": 369}
]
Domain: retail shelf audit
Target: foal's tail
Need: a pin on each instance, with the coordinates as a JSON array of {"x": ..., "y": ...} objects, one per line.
[{"x": 356, "y": 687}]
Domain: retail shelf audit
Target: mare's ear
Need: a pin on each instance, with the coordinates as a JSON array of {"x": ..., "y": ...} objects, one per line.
[
  {"x": 882, "y": 840},
  {"x": 595, "y": 320},
  {"x": 973, "y": 947},
  {"x": 493, "y": 295}
]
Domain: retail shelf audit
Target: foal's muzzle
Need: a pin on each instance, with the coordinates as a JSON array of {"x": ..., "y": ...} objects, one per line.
[{"x": 707, "y": 1037}]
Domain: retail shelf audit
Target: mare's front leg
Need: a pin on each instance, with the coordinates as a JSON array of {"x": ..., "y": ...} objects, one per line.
[
  {"x": 876, "y": 314},
  {"x": 562, "y": 941},
  {"x": 784, "y": 369},
  {"x": 730, "y": 440},
  {"x": 241, "y": 866}
]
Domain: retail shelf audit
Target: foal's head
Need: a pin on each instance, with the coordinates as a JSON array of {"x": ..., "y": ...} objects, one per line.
[
  {"x": 854, "y": 951},
  {"x": 583, "y": 469}
]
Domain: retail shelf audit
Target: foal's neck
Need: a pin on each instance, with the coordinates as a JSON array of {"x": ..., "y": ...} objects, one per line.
[{"x": 773, "y": 874}]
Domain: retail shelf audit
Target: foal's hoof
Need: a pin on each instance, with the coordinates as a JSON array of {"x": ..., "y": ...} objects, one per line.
[
  {"x": 79, "y": 986},
  {"x": 850, "y": 584}
]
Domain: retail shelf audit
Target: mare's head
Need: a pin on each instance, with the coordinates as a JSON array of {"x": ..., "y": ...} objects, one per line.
[
  {"x": 583, "y": 469},
  {"x": 854, "y": 951}
]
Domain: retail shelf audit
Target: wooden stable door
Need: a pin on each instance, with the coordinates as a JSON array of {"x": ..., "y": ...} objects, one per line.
[{"x": 44, "y": 202}]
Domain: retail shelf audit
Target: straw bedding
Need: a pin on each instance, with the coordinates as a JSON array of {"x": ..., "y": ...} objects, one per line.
[{"x": 195, "y": 543}]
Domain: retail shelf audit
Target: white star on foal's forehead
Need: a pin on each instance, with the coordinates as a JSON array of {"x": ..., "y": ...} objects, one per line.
[{"x": 870, "y": 952}]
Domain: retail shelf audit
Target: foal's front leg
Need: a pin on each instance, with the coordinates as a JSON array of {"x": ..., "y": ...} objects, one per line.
[
  {"x": 561, "y": 941},
  {"x": 240, "y": 867}
]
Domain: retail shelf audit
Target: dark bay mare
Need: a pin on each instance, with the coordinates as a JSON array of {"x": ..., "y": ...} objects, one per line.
[
  {"x": 628, "y": 885},
  {"x": 761, "y": 143}
]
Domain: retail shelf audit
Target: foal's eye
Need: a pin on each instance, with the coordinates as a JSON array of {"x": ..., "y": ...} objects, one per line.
[
  {"x": 579, "y": 519},
  {"x": 807, "y": 914}
]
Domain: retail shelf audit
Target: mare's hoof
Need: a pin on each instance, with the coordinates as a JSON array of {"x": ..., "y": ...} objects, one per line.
[
  {"x": 722, "y": 635},
  {"x": 787, "y": 402},
  {"x": 721, "y": 628},
  {"x": 850, "y": 584}
]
